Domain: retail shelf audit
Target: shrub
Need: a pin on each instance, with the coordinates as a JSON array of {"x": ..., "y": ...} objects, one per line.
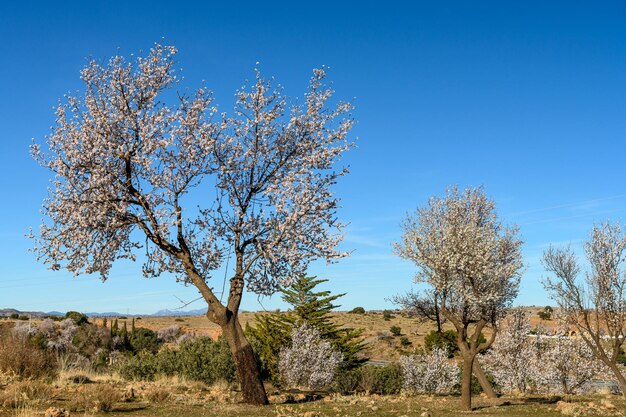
[
  {"x": 346, "y": 381},
  {"x": 384, "y": 380},
  {"x": 14, "y": 316},
  {"x": 78, "y": 318},
  {"x": 169, "y": 334},
  {"x": 309, "y": 362},
  {"x": 384, "y": 336},
  {"x": 395, "y": 330},
  {"x": 88, "y": 339},
  {"x": 168, "y": 362},
  {"x": 357, "y": 310},
  {"x": 19, "y": 357},
  {"x": 387, "y": 315},
  {"x": 429, "y": 373},
  {"x": 546, "y": 313},
  {"x": 144, "y": 339},
  {"x": 203, "y": 359},
  {"x": 141, "y": 367},
  {"x": 404, "y": 341},
  {"x": 444, "y": 340}
]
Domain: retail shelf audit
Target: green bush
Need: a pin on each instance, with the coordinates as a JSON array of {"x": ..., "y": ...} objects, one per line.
[
  {"x": 546, "y": 313},
  {"x": 384, "y": 380},
  {"x": 203, "y": 359},
  {"x": 79, "y": 318},
  {"x": 404, "y": 341},
  {"x": 395, "y": 330},
  {"x": 388, "y": 315},
  {"x": 444, "y": 340},
  {"x": 357, "y": 310},
  {"x": 200, "y": 359},
  {"x": 144, "y": 339},
  {"x": 346, "y": 381},
  {"x": 167, "y": 362},
  {"x": 141, "y": 367}
]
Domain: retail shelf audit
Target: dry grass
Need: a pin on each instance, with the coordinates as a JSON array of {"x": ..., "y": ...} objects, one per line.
[
  {"x": 25, "y": 393},
  {"x": 95, "y": 398},
  {"x": 19, "y": 358}
]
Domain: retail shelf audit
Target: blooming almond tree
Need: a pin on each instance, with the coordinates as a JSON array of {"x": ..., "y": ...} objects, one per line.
[
  {"x": 595, "y": 307},
  {"x": 515, "y": 358},
  {"x": 129, "y": 170},
  {"x": 429, "y": 373},
  {"x": 310, "y": 362},
  {"x": 570, "y": 362},
  {"x": 471, "y": 261}
]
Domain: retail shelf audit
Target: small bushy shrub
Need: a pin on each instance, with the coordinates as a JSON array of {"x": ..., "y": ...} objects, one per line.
[
  {"x": 445, "y": 340},
  {"x": 206, "y": 360},
  {"x": 169, "y": 334},
  {"x": 347, "y": 381},
  {"x": 404, "y": 341},
  {"x": 357, "y": 310},
  {"x": 141, "y": 367},
  {"x": 144, "y": 339},
  {"x": 18, "y": 356},
  {"x": 388, "y": 315},
  {"x": 384, "y": 380},
  {"x": 78, "y": 318},
  {"x": 395, "y": 330}
]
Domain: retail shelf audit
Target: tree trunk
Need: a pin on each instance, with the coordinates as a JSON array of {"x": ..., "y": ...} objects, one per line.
[
  {"x": 484, "y": 382},
  {"x": 620, "y": 378},
  {"x": 248, "y": 371},
  {"x": 466, "y": 381}
]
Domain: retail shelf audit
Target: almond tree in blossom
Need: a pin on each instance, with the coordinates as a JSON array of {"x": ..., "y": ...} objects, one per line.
[
  {"x": 128, "y": 153},
  {"x": 471, "y": 261},
  {"x": 595, "y": 306}
]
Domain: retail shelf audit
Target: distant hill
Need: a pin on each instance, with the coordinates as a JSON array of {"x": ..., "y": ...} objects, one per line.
[{"x": 6, "y": 312}]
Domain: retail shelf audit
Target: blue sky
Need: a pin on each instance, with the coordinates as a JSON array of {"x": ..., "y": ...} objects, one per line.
[{"x": 527, "y": 99}]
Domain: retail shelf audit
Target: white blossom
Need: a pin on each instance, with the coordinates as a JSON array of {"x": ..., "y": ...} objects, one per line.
[
  {"x": 515, "y": 359},
  {"x": 429, "y": 373},
  {"x": 309, "y": 362},
  {"x": 170, "y": 333},
  {"x": 595, "y": 306}
]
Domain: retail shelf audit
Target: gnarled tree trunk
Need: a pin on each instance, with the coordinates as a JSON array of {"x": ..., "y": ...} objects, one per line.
[
  {"x": 248, "y": 371},
  {"x": 484, "y": 382},
  {"x": 466, "y": 381}
]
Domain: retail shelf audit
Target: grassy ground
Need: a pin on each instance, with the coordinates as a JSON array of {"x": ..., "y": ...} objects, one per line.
[{"x": 168, "y": 398}]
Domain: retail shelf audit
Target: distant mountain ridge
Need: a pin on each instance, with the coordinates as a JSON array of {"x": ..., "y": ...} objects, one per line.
[{"x": 6, "y": 312}]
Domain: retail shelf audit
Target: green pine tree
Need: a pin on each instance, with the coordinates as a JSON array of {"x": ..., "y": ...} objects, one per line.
[
  {"x": 115, "y": 328},
  {"x": 272, "y": 331}
]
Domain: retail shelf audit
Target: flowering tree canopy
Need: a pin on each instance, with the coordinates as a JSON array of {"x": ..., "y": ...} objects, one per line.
[
  {"x": 125, "y": 162},
  {"x": 472, "y": 263},
  {"x": 597, "y": 306}
]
